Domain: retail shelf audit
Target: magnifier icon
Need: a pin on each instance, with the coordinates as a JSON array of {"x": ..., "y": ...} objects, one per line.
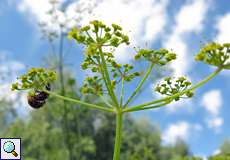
[{"x": 9, "y": 147}]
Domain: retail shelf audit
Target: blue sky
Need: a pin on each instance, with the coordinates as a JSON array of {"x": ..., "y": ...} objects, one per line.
[{"x": 181, "y": 25}]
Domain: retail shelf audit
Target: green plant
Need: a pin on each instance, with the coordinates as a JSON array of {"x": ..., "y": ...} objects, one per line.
[{"x": 100, "y": 41}]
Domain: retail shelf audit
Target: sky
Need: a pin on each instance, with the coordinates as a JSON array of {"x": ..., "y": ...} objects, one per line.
[{"x": 179, "y": 25}]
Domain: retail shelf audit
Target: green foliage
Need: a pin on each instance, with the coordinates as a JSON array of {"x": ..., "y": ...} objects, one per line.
[
  {"x": 143, "y": 141},
  {"x": 42, "y": 136},
  {"x": 220, "y": 157},
  {"x": 225, "y": 147}
]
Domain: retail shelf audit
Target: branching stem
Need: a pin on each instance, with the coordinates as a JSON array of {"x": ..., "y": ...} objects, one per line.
[
  {"x": 140, "y": 84},
  {"x": 89, "y": 105},
  {"x": 122, "y": 91},
  {"x": 117, "y": 146},
  {"x": 110, "y": 88},
  {"x": 150, "y": 107},
  {"x": 178, "y": 94}
]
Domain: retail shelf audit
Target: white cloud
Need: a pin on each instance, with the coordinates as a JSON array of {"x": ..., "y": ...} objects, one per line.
[
  {"x": 216, "y": 152},
  {"x": 11, "y": 66},
  {"x": 180, "y": 130},
  {"x": 222, "y": 26},
  {"x": 180, "y": 65},
  {"x": 175, "y": 131},
  {"x": 180, "y": 106},
  {"x": 190, "y": 18},
  {"x": 215, "y": 123},
  {"x": 212, "y": 101},
  {"x": 142, "y": 20},
  {"x": 15, "y": 99},
  {"x": 9, "y": 69},
  {"x": 52, "y": 14},
  {"x": 38, "y": 9},
  {"x": 38, "y": 12}
]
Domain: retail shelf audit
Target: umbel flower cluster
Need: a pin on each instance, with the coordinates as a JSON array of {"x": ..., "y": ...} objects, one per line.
[
  {"x": 173, "y": 86},
  {"x": 96, "y": 37},
  {"x": 109, "y": 76},
  {"x": 215, "y": 54},
  {"x": 160, "y": 57},
  {"x": 36, "y": 80}
]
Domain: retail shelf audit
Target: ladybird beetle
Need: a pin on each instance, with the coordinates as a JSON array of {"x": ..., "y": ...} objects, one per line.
[{"x": 39, "y": 99}]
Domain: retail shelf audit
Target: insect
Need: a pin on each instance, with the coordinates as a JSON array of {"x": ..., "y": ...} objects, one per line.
[{"x": 39, "y": 98}]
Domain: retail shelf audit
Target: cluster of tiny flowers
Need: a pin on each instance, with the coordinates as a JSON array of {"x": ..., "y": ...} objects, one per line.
[
  {"x": 96, "y": 36},
  {"x": 215, "y": 54},
  {"x": 36, "y": 81},
  {"x": 173, "y": 86},
  {"x": 123, "y": 71},
  {"x": 98, "y": 33},
  {"x": 36, "y": 78},
  {"x": 92, "y": 85},
  {"x": 160, "y": 57}
]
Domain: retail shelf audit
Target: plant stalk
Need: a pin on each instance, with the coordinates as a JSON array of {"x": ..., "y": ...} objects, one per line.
[
  {"x": 89, "y": 105},
  {"x": 122, "y": 92},
  {"x": 117, "y": 146},
  {"x": 140, "y": 85},
  {"x": 145, "y": 108},
  {"x": 178, "y": 94},
  {"x": 108, "y": 80},
  {"x": 63, "y": 93}
]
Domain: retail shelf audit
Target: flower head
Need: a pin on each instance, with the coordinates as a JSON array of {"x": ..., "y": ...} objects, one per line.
[
  {"x": 100, "y": 34},
  {"x": 37, "y": 80},
  {"x": 160, "y": 57},
  {"x": 215, "y": 54},
  {"x": 171, "y": 86}
]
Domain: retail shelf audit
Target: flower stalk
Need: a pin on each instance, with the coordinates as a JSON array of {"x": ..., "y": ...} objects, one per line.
[
  {"x": 84, "y": 104},
  {"x": 170, "y": 98},
  {"x": 118, "y": 136},
  {"x": 140, "y": 84}
]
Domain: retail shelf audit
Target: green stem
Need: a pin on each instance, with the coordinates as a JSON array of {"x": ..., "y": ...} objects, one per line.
[
  {"x": 117, "y": 146},
  {"x": 106, "y": 83},
  {"x": 63, "y": 92},
  {"x": 103, "y": 76},
  {"x": 145, "y": 108},
  {"x": 122, "y": 91},
  {"x": 89, "y": 105},
  {"x": 113, "y": 96},
  {"x": 180, "y": 93},
  {"x": 140, "y": 85}
]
